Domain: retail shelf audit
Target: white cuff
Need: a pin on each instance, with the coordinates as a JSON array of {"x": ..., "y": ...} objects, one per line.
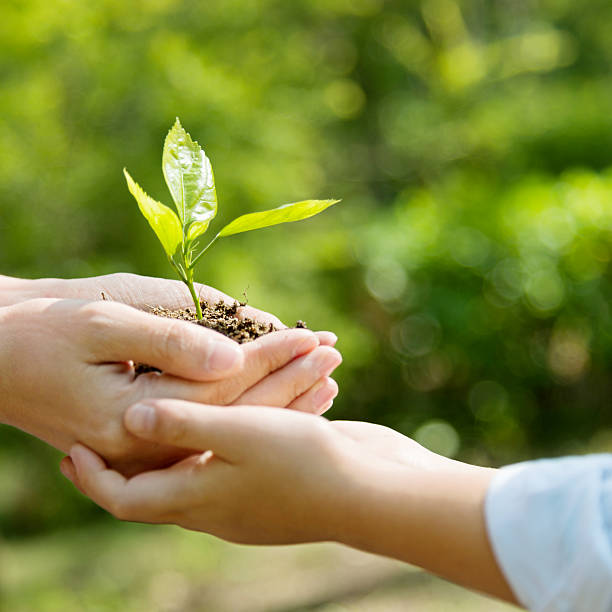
[{"x": 550, "y": 526}]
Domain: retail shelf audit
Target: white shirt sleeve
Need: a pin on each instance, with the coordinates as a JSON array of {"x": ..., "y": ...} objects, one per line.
[{"x": 550, "y": 526}]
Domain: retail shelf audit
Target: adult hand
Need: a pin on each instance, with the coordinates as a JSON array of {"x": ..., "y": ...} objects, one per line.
[
  {"x": 67, "y": 374},
  {"x": 141, "y": 292}
]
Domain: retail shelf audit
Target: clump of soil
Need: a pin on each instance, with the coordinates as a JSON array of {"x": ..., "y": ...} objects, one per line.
[{"x": 220, "y": 317}]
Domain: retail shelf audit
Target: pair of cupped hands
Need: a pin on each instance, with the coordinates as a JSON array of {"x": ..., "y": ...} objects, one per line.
[{"x": 207, "y": 444}]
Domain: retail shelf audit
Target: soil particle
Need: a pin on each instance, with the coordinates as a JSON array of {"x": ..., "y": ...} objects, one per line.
[{"x": 220, "y": 317}]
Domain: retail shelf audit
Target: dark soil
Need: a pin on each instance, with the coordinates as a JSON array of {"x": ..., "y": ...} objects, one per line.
[{"x": 222, "y": 318}]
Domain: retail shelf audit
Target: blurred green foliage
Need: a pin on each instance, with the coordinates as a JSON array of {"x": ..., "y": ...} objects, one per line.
[{"x": 466, "y": 271}]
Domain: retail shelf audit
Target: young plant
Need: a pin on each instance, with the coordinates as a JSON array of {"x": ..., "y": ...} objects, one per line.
[{"x": 191, "y": 182}]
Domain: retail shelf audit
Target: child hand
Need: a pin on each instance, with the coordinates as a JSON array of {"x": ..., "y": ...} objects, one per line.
[{"x": 273, "y": 476}]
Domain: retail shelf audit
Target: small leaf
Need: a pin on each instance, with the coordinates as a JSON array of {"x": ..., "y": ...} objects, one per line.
[
  {"x": 190, "y": 178},
  {"x": 197, "y": 229},
  {"x": 295, "y": 211},
  {"x": 163, "y": 220}
]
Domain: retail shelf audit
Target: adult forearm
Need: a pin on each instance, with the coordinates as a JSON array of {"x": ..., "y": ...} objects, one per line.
[{"x": 434, "y": 520}]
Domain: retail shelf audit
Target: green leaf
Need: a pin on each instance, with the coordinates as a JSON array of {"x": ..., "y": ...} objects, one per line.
[
  {"x": 294, "y": 211},
  {"x": 197, "y": 229},
  {"x": 190, "y": 178},
  {"x": 163, "y": 220}
]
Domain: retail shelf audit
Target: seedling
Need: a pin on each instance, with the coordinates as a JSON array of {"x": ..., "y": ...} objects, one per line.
[{"x": 191, "y": 182}]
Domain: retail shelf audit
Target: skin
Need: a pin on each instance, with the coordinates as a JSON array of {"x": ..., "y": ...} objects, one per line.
[
  {"x": 69, "y": 372},
  {"x": 131, "y": 289},
  {"x": 273, "y": 476}
]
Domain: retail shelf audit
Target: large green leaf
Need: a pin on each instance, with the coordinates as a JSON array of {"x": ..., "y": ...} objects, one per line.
[
  {"x": 190, "y": 178},
  {"x": 294, "y": 211},
  {"x": 162, "y": 219}
]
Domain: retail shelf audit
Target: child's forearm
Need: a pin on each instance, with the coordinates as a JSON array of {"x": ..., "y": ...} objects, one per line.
[{"x": 431, "y": 519}]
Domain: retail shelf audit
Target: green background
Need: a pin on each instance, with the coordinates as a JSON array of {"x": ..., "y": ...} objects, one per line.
[{"x": 466, "y": 271}]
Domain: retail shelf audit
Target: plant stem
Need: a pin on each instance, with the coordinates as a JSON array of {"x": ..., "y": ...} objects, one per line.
[
  {"x": 193, "y": 263},
  {"x": 196, "y": 299}
]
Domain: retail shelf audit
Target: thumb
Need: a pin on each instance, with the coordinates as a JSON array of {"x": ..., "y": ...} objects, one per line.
[
  {"x": 174, "y": 346},
  {"x": 198, "y": 427}
]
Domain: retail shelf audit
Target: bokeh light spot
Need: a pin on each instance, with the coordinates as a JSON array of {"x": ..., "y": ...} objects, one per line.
[
  {"x": 345, "y": 98},
  {"x": 438, "y": 436}
]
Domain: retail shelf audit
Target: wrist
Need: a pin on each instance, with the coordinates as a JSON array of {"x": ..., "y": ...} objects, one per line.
[
  {"x": 5, "y": 359},
  {"x": 432, "y": 519},
  {"x": 405, "y": 509}
]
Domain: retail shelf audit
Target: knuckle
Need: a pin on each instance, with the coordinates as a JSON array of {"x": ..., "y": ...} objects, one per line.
[
  {"x": 112, "y": 441},
  {"x": 270, "y": 352},
  {"x": 222, "y": 393},
  {"x": 173, "y": 339},
  {"x": 261, "y": 316},
  {"x": 125, "y": 277},
  {"x": 171, "y": 422},
  {"x": 292, "y": 390},
  {"x": 96, "y": 318}
]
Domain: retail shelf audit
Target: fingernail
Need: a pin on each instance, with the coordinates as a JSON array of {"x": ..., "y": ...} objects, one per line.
[
  {"x": 74, "y": 451},
  {"x": 223, "y": 356},
  {"x": 305, "y": 345},
  {"x": 328, "y": 361},
  {"x": 328, "y": 338},
  {"x": 140, "y": 418},
  {"x": 325, "y": 391},
  {"x": 326, "y": 407},
  {"x": 65, "y": 472}
]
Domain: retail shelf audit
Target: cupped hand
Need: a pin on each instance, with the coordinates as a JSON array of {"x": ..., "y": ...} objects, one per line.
[
  {"x": 255, "y": 476},
  {"x": 268, "y": 479},
  {"x": 141, "y": 292},
  {"x": 67, "y": 374}
]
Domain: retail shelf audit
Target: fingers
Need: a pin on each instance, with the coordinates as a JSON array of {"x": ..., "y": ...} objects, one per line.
[
  {"x": 91, "y": 476},
  {"x": 261, "y": 357},
  {"x": 213, "y": 296},
  {"x": 318, "y": 399},
  {"x": 145, "y": 497},
  {"x": 145, "y": 291},
  {"x": 271, "y": 352},
  {"x": 327, "y": 338},
  {"x": 69, "y": 471},
  {"x": 121, "y": 333},
  {"x": 282, "y": 387},
  {"x": 248, "y": 312},
  {"x": 227, "y": 431}
]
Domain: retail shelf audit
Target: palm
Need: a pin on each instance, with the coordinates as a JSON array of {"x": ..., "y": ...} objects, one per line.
[
  {"x": 390, "y": 445},
  {"x": 143, "y": 291}
]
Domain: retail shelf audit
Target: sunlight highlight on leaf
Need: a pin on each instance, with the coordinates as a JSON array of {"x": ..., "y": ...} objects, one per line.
[
  {"x": 162, "y": 219},
  {"x": 295, "y": 211},
  {"x": 190, "y": 178}
]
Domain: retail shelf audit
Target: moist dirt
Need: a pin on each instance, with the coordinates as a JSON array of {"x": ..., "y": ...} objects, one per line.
[{"x": 221, "y": 317}]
